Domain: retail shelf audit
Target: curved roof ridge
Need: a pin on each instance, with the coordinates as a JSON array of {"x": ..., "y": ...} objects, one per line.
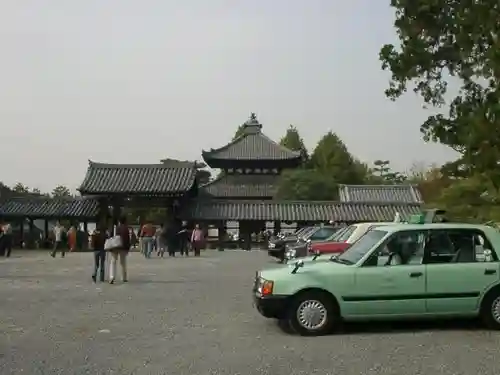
[{"x": 168, "y": 165}]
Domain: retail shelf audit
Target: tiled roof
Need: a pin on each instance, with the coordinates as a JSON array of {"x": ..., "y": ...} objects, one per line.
[
  {"x": 242, "y": 186},
  {"x": 296, "y": 211},
  {"x": 251, "y": 145},
  {"x": 146, "y": 179},
  {"x": 45, "y": 207},
  {"x": 380, "y": 193}
]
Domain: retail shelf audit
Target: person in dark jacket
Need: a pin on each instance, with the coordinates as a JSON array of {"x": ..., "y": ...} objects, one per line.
[
  {"x": 183, "y": 237},
  {"x": 172, "y": 238},
  {"x": 97, "y": 241}
]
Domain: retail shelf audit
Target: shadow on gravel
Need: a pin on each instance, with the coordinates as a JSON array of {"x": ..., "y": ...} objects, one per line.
[
  {"x": 403, "y": 327},
  {"x": 412, "y": 326}
]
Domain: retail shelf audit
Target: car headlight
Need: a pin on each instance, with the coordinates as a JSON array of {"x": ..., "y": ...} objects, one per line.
[
  {"x": 264, "y": 287},
  {"x": 291, "y": 254}
]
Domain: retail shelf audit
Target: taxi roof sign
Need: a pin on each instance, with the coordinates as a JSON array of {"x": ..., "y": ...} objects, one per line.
[{"x": 417, "y": 219}]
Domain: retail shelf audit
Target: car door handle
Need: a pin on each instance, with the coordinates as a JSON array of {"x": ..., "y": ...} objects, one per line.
[
  {"x": 490, "y": 271},
  {"x": 416, "y": 274}
]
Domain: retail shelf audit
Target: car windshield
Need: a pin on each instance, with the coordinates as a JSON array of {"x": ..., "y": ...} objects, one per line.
[{"x": 361, "y": 247}]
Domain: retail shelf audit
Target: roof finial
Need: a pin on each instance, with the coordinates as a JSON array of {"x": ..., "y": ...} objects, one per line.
[{"x": 252, "y": 125}]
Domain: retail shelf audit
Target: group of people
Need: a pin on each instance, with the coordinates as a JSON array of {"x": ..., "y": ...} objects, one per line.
[
  {"x": 118, "y": 253},
  {"x": 170, "y": 239},
  {"x": 165, "y": 238}
]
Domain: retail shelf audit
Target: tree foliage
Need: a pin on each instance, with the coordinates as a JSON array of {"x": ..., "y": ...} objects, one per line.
[
  {"x": 385, "y": 174},
  {"x": 306, "y": 184},
  {"x": 61, "y": 191},
  {"x": 443, "y": 41},
  {"x": 20, "y": 188},
  {"x": 331, "y": 157},
  {"x": 239, "y": 132},
  {"x": 293, "y": 141}
]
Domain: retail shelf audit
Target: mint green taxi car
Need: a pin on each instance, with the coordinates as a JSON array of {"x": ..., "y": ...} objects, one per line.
[{"x": 400, "y": 271}]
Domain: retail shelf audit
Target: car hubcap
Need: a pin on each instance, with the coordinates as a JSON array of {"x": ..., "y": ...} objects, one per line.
[
  {"x": 312, "y": 314},
  {"x": 495, "y": 309}
]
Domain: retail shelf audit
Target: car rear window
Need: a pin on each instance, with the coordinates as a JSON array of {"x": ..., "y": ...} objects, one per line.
[
  {"x": 338, "y": 234},
  {"x": 323, "y": 233},
  {"x": 345, "y": 235}
]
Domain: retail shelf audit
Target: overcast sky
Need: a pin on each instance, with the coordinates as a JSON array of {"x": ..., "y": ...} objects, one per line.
[{"x": 128, "y": 81}]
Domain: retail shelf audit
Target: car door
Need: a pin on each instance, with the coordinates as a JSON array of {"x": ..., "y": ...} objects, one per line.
[
  {"x": 383, "y": 289},
  {"x": 457, "y": 276}
]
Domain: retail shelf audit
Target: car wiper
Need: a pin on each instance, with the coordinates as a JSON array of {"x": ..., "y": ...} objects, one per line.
[{"x": 341, "y": 261}]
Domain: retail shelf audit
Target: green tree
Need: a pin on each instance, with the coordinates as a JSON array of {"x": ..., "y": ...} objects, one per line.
[
  {"x": 307, "y": 185},
  {"x": 61, "y": 191},
  {"x": 331, "y": 157},
  {"x": 385, "y": 174},
  {"x": 293, "y": 141},
  {"x": 443, "y": 41},
  {"x": 239, "y": 132},
  {"x": 20, "y": 188},
  {"x": 381, "y": 168}
]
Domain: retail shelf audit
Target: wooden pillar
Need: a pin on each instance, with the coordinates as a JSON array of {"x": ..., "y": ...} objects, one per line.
[
  {"x": 86, "y": 226},
  {"x": 21, "y": 232},
  {"x": 30, "y": 243},
  {"x": 116, "y": 216},
  {"x": 277, "y": 227},
  {"x": 46, "y": 229},
  {"x": 222, "y": 235}
]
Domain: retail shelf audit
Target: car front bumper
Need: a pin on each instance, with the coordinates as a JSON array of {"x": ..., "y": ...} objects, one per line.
[{"x": 271, "y": 306}]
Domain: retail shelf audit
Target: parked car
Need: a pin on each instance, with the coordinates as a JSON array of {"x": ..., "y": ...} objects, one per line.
[
  {"x": 300, "y": 248},
  {"x": 397, "y": 271},
  {"x": 276, "y": 247},
  {"x": 341, "y": 243}
]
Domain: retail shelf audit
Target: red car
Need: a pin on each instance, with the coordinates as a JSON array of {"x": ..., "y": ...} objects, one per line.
[
  {"x": 345, "y": 238},
  {"x": 336, "y": 245}
]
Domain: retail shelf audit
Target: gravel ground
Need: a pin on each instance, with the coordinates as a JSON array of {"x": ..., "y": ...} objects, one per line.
[{"x": 195, "y": 316}]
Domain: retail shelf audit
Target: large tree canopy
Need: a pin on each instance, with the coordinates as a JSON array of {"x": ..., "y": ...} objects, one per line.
[
  {"x": 293, "y": 141},
  {"x": 332, "y": 158},
  {"x": 442, "y": 41},
  {"x": 307, "y": 185},
  {"x": 61, "y": 191}
]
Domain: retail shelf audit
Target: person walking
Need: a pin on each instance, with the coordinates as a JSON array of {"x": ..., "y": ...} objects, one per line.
[
  {"x": 120, "y": 253},
  {"x": 147, "y": 232},
  {"x": 7, "y": 239},
  {"x": 197, "y": 239},
  {"x": 59, "y": 240},
  {"x": 98, "y": 240},
  {"x": 72, "y": 238},
  {"x": 184, "y": 238},
  {"x": 160, "y": 240}
]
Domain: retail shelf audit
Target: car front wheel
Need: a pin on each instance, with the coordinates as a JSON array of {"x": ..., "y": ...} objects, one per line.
[{"x": 313, "y": 313}]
